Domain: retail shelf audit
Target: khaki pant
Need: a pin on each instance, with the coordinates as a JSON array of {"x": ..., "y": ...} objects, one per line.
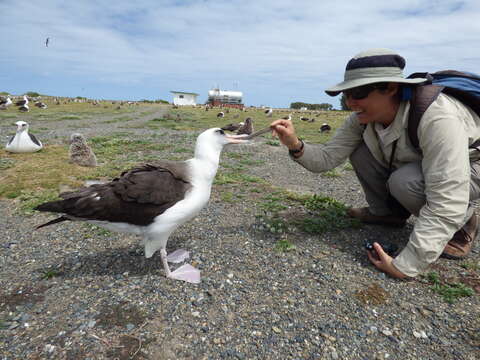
[{"x": 406, "y": 184}]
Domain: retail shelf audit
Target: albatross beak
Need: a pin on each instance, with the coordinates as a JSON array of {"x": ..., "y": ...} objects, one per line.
[{"x": 237, "y": 139}]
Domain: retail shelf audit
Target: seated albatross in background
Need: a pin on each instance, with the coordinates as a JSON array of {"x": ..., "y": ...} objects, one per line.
[
  {"x": 22, "y": 141},
  {"x": 151, "y": 200}
]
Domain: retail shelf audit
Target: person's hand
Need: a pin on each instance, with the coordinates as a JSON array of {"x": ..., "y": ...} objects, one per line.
[
  {"x": 286, "y": 133},
  {"x": 383, "y": 262}
]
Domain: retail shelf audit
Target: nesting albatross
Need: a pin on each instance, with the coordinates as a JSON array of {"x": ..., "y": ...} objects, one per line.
[
  {"x": 23, "y": 141},
  {"x": 151, "y": 200}
]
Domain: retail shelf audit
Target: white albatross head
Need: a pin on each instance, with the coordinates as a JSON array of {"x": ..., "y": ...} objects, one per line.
[
  {"x": 21, "y": 126},
  {"x": 213, "y": 140}
]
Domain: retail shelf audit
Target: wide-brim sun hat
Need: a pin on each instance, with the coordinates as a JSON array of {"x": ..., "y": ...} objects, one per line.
[{"x": 373, "y": 66}]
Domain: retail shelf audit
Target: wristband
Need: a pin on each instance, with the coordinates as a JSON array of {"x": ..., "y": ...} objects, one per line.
[{"x": 296, "y": 151}]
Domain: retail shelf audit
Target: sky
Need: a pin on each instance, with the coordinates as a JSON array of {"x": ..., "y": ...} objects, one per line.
[{"x": 276, "y": 52}]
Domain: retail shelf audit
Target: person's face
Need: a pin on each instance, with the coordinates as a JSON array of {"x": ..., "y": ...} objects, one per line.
[{"x": 372, "y": 104}]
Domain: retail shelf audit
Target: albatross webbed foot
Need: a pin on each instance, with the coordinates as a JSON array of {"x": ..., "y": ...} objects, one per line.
[
  {"x": 186, "y": 273},
  {"x": 177, "y": 256}
]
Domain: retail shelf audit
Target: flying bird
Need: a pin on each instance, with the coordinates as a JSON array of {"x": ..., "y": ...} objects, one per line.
[
  {"x": 80, "y": 153},
  {"x": 325, "y": 128},
  {"x": 23, "y": 141},
  {"x": 47, "y": 41},
  {"x": 151, "y": 200},
  {"x": 269, "y": 112},
  {"x": 246, "y": 128}
]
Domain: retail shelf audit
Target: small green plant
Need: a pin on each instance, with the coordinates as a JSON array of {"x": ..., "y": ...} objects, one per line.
[
  {"x": 332, "y": 173},
  {"x": 6, "y": 163},
  {"x": 449, "y": 292},
  {"x": 326, "y": 214},
  {"x": 227, "y": 196},
  {"x": 474, "y": 266},
  {"x": 284, "y": 245},
  {"x": 50, "y": 274},
  {"x": 274, "y": 224},
  {"x": 273, "y": 142}
]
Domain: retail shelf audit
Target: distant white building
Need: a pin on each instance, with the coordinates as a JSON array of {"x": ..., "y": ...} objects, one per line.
[{"x": 184, "y": 98}]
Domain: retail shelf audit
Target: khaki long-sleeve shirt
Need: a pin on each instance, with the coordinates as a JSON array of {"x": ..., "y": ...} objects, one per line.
[{"x": 446, "y": 130}]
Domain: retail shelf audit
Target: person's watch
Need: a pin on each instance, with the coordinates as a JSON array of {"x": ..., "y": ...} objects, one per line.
[{"x": 296, "y": 151}]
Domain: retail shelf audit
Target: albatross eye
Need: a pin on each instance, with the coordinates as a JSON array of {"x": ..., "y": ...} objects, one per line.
[{"x": 220, "y": 131}]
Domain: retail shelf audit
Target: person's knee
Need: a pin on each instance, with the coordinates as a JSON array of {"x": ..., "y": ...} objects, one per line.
[{"x": 409, "y": 190}]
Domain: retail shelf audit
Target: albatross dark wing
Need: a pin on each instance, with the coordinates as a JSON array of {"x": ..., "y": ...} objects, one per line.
[
  {"x": 34, "y": 139},
  {"x": 136, "y": 197}
]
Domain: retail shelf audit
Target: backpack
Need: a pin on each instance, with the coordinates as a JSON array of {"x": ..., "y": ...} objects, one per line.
[{"x": 463, "y": 86}]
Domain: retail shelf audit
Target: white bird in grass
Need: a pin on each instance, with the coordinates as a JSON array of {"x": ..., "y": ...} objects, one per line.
[
  {"x": 5, "y": 103},
  {"x": 24, "y": 108},
  {"x": 269, "y": 112},
  {"x": 22, "y": 102},
  {"x": 151, "y": 200},
  {"x": 22, "y": 141}
]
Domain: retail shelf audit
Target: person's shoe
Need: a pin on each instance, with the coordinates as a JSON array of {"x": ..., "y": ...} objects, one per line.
[
  {"x": 365, "y": 216},
  {"x": 462, "y": 240}
]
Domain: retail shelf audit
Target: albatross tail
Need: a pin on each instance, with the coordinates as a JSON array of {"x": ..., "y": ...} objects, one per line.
[{"x": 54, "y": 221}]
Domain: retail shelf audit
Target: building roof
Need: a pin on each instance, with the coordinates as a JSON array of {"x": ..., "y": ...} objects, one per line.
[{"x": 183, "y": 92}]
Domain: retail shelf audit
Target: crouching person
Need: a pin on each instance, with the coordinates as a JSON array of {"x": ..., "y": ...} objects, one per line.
[{"x": 435, "y": 182}]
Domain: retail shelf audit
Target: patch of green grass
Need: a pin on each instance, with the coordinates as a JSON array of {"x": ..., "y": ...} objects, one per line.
[
  {"x": 31, "y": 199},
  {"x": 227, "y": 196},
  {"x": 8, "y": 116},
  {"x": 449, "y": 292},
  {"x": 472, "y": 265},
  {"x": 326, "y": 214},
  {"x": 120, "y": 119},
  {"x": 249, "y": 162},
  {"x": 250, "y": 179},
  {"x": 97, "y": 230},
  {"x": 69, "y": 117},
  {"x": 348, "y": 166},
  {"x": 284, "y": 245},
  {"x": 274, "y": 224},
  {"x": 6, "y": 163},
  {"x": 50, "y": 274},
  {"x": 181, "y": 150},
  {"x": 223, "y": 178},
  {"x": 273, "y": 142},
  {"x": 273, "y": 203},
  {"x": 331, "y": 173},
  {"x": 236, "y": 155}
]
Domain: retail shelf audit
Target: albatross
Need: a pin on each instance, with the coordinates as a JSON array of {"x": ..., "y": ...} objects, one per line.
[
  {"x": 22, "y": 102},
  {"x": 23, "y": 141},
  {"x": 151, "y": 200}
]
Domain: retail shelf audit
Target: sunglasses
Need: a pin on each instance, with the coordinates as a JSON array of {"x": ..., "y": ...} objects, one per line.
[{"x": 360, "y": 92}]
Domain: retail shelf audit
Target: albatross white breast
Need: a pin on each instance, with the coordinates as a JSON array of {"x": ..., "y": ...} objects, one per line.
[
  {"x": 151, "y": 200},
  {"x": 22, "y": 141}
]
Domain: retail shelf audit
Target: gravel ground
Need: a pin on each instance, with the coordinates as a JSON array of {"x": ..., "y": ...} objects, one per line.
[{"x": 324, "y": 300}]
